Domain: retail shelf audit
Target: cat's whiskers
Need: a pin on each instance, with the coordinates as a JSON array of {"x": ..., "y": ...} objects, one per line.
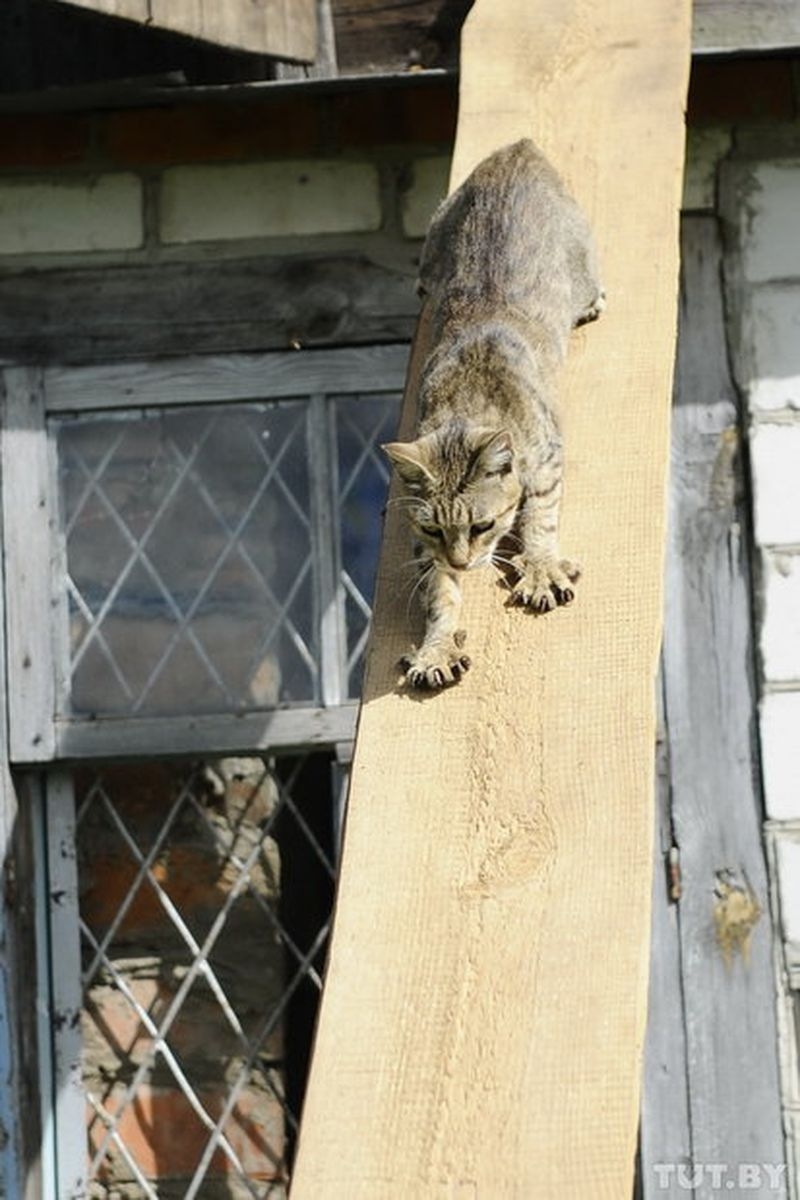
[
  {"x": 401, "y": 500},
  {"x": 501, "y": 560},
  {"x": 423, "y": 575}
]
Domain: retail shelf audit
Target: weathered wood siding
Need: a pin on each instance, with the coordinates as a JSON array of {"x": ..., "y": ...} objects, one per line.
[
  {"x": 718, "y": 934},
  {"x": 109, "y": 312},
  {"x": 283, "y": 28}
]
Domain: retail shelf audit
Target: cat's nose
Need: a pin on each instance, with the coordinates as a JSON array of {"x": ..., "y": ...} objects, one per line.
[{"x": 457, "y": 558}]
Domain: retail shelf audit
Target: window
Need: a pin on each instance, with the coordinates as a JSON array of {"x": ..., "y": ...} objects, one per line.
[{"x": 190, "y": 548}]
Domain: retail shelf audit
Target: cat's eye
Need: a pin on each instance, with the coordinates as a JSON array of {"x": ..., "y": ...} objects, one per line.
[
  {"x": 431, "y": 531},
  {"x": 480, "y": 527}
]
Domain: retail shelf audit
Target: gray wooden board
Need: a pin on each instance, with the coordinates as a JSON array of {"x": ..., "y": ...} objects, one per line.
[
  {"x": 665, "y": 1137},
  {"x": 278, "y": 730},
  {"x": 27, "y": 547},
  {"x": 232, "y": 377},
  {"x": 754, "y": 26},
  {"x": 283, "y": 28},
  {"x": 107, "y": 312},
  {"x": 11, "y": 978},
  {"x": 66, "y": 996},
  {"x": 731, "y": 1039}
]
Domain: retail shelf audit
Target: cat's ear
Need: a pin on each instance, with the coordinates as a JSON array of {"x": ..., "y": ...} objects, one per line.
[
  {"x": 407, "y": 459},
  {"x": 493, "y": 455}
]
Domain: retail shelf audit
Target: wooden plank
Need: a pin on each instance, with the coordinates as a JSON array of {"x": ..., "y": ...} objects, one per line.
[
  {"x": 204, "y": 380},
  {"x": 751, "y": 26},
  {"x": 110, "y": 312},
  {"x": 665, "y": 1135},
  {"x": 729, "y": 992},
  {"x": 280, "y": 28},
  {"x": 498, "y": 844},
  {"x": 15, "y": 998},
  {"x": 66, "y": 994},
  {"x": 325, "y": 64},
  {"x": 159, "y": 737},
  {"x": 130, "y": 10},
  {"x": 27, "y": 517}
]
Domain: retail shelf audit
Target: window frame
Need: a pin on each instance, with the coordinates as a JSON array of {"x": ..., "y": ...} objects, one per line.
[{"x": 33, "y": 548}]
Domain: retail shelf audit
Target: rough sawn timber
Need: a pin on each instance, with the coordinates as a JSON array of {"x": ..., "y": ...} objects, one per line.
[
  {"x": 283, "y": 28},
  {"x": 482, "y": 1022}
]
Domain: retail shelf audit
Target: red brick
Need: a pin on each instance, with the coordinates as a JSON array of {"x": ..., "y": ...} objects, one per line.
[
  {"x": 211, "y": 133},
  {"x": 35, "y": 140},
  {"x": 167, "y": 1138},
  {"x": 424, "y": 115},
  {"x": 190, "y": 876}
]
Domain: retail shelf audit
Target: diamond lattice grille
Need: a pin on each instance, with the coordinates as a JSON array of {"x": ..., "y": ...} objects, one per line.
[
  {"x": 191, "y": 581},
  {"x": 363, "y": 423},
  {"x": 192, "y": 561},
  {"x": 200, "y": 971}
]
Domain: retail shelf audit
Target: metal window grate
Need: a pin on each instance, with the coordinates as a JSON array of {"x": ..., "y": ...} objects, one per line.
[
  {"x": 205, "y": 896},
  {"x": 219, "y": 558},
  {"x": 363, "y": 479},
  {"x": 190, "y": 572}
]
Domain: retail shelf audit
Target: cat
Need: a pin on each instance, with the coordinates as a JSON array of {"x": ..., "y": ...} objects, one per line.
[{"x": 508, "y": 269}]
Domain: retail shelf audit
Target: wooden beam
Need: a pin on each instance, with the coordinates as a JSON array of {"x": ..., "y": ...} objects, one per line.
[
  {"x": 94, "y": 314},
  {"x": 280, "y": 28},
  {"x": 745, "y": 26},
  {"x": 483, "y": 1015}
]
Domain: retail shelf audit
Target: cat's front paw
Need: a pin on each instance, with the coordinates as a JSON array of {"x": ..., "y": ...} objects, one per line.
[
  {"x": 546, "y": 584},
  {"x": 435, "y": 666}
]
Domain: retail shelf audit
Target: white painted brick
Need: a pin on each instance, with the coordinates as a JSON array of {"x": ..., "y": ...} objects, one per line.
[
  {"x": 775, "y": 457},
  {"x": 223, "y": 203},
  {"x": 771, "y": 329},
  {"x": 787, "y": 851},
  {"x": 780, "y": 754},
  {"x": 769, "y": 220},
  {"x": 704, "y": 149},
  {"x": 428, "y": 189},
  {"x": 780, "y": 630},
  {"x": 64, "y": 215}
]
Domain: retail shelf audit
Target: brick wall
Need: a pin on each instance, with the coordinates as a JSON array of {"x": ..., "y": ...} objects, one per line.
[{"x": 203, "y": 181}]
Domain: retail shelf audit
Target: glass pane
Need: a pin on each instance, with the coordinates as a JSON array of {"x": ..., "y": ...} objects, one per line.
[
  {"x": 205, "y": 895},
  {"x": 190, "y": 573},
  {"x": 362, "y": 423}
]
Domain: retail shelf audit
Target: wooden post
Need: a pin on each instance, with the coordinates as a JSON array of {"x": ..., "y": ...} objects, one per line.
[{"x": 482, "y": 1022}]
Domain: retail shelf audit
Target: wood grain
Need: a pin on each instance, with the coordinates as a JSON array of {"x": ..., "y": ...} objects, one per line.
[
  {"x": 752, "y": 26},
  {"x": 95, "y": 314},
  {"x": 28, "y": 516},
  {"x": 731, "y": 1072},
  {"x": 283, "y": 28},
  {"x": 483, "y": 1017}
]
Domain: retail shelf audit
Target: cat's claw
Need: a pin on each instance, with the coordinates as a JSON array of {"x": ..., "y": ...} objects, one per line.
[
  {"x": 432, "y": 669},
  {"x": 546, "y": 585}
]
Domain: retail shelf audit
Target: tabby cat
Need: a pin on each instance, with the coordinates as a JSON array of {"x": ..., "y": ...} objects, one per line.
[{"x": 509, "y": 270}]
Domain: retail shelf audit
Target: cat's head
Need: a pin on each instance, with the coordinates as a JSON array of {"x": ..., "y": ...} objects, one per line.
[{"x": 462, "y": 491}]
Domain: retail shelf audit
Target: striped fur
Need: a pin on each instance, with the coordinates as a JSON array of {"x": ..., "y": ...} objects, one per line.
[{"x": 509, "y": 270}]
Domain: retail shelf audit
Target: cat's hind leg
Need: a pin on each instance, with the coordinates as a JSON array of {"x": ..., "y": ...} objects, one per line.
[
  {"x": 588, "y": 293},
  {"x": 593, "y": 310}
]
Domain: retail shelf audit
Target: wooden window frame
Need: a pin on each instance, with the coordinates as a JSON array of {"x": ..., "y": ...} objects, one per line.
[{"x": 34, "y": 568}]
